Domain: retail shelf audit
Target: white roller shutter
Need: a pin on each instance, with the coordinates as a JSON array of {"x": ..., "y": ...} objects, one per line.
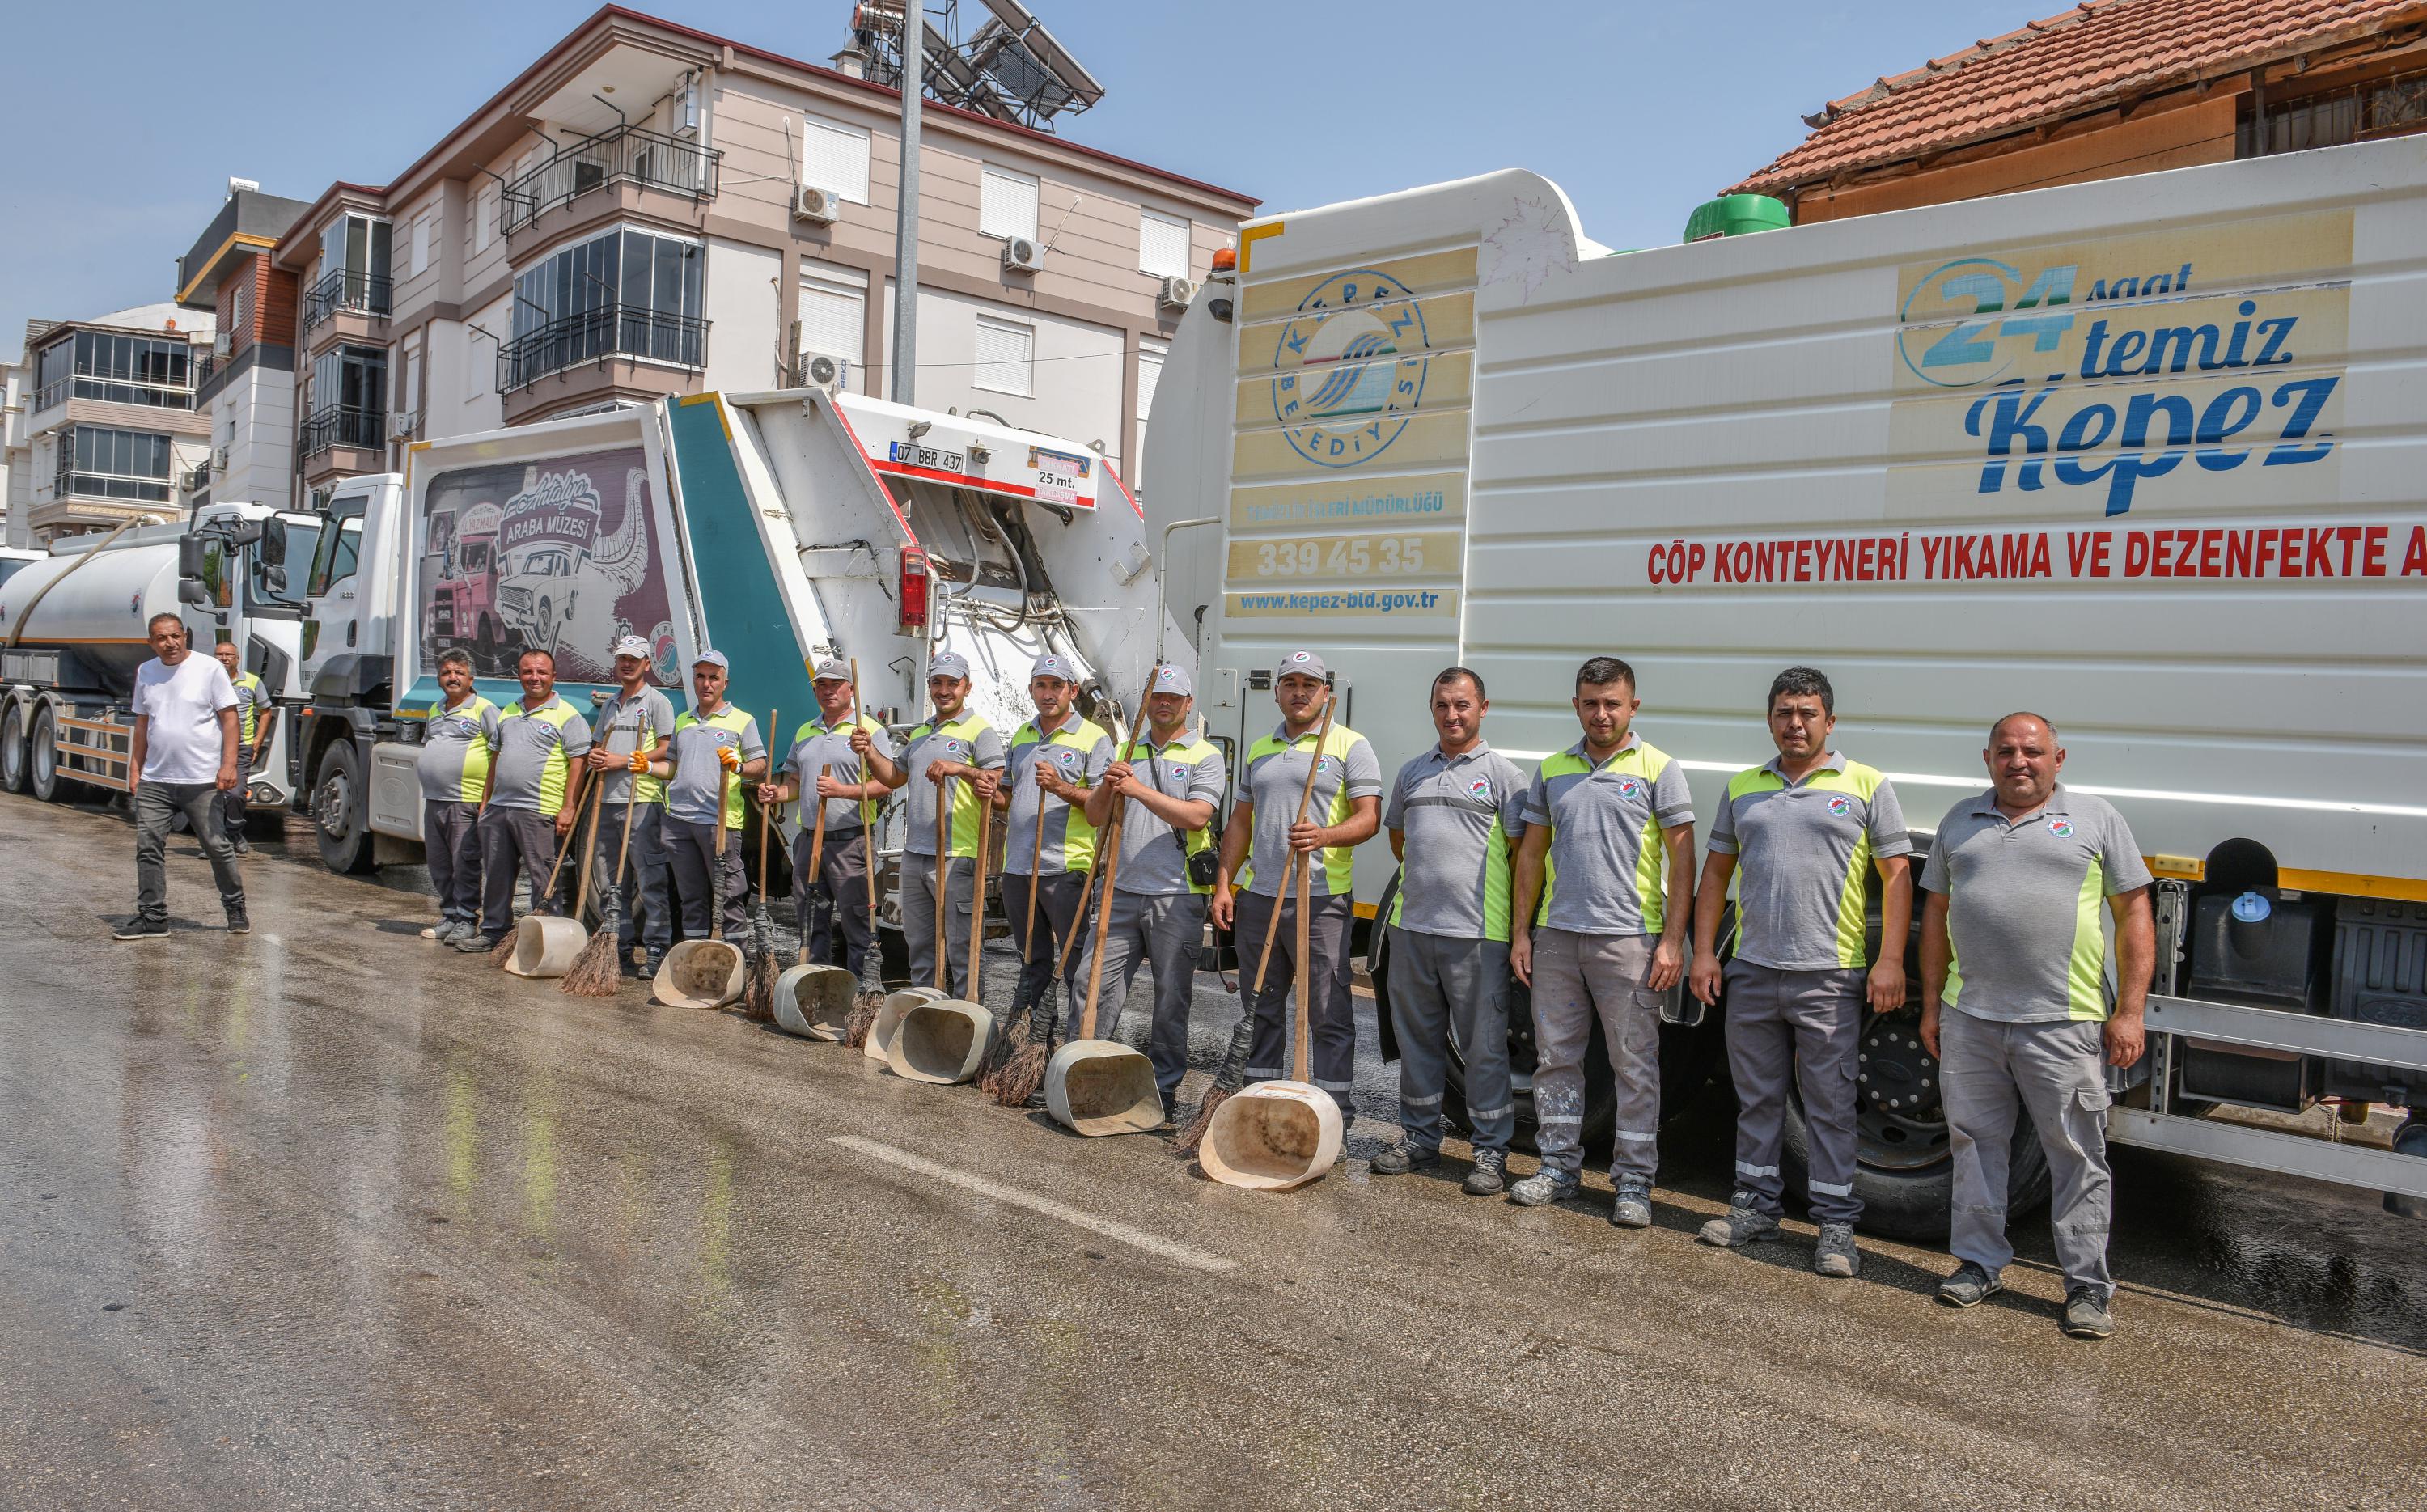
[
  {"x": 1005, "y": 354},
  {"x": 1162, "y": 245},
  {"x": 835, "y": 157},
  {"x": 834, "y": 321},
  {"x": 1006, "y": 203}
]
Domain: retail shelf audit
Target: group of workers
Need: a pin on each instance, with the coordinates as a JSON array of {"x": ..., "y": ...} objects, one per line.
[{"x": 1578, "y": 881}]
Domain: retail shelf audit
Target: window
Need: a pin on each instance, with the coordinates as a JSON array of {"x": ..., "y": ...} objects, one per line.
[
  {"x": 1162, "y": 245},
  {"x": 2394, "y": 107},
  {"x": 627, "y": 293},
  {"x": 239, "y": 320},
  {"x": 96, "y": 462},
  {"x": 484, "y": 218},
  {"x": 354, "y": 269},
  {"x": 834, "y": 321},
  {"x": 1006, "y": 353},
  {"x": 1006, "y": 203},
  {"x": 421, "y": 244},
  {"x": 1151, "y": 357},
  {"x": 835, "y": 157},
  {"x": 349, "y": 400},
  {"x": 409, "y": 397},
  {"x": 120, "y": 369}
]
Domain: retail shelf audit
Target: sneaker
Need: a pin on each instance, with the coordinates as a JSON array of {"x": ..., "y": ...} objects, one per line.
[
  {"x": 237, "y": 922},
  {"x": 650, "y": 968},
  {"x": 1631, "y": 1208},
  {"x": 1836, "y": 1255},
  {"x": 1968, "y": 1287},
  {"x": 1490, "y": 1177},
  {"x": 1543, "y": 1188},
  {"x": 1401, "y": 1158},
  {"x": 139, "y": 928},
  {"x": 1743, "y": 1223},
  {"x": 243, "y": 846},
  {"x": 442, "y": 932},
  {"x": 2086, "y": 1315},
  {"x": 472, "y": 942}
]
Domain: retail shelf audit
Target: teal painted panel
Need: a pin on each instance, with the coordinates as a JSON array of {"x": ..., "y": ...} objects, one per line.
[{"x": 740, "y": 598}]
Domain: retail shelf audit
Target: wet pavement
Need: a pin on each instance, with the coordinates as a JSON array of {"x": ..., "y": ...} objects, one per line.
[{"x": 326, "y": 1217}]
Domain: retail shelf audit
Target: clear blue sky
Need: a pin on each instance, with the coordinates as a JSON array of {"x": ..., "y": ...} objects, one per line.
[{"x": 129, "y": 117}]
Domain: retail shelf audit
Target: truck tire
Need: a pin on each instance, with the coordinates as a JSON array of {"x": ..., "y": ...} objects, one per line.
[
  {"x": 341, "y": 811},
  {"x": 42, "y": 759},
  {"x": 14, "y": 758}
]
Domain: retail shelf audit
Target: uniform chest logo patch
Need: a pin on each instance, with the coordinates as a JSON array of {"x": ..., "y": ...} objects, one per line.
[
  {"x": 1066, "y": 762},
  {"x": 1840, "y": 804},
  {"x": 2060, "y": 827},
  {"x": 1630, "y": 788},
  {"x": 1480, "y": 789},
  {"x": 949, "y": 749}
]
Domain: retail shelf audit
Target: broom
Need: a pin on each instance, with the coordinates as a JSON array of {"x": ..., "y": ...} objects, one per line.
[
  {"x": 816, "y": 861},
  {"x": 999, "y": 1085},
  {"x": 1001, "y": 1051},
  {"x": 504, "y": 950},
  {"x": 943, "y": 950},
  {"x": 974, "y": 976},
  {"x": 759, "y": 988},
  {"x": 599, "y": 971},
  {"x": 870, "y": 1000},
  {"x": 1234, "y": 1064}
]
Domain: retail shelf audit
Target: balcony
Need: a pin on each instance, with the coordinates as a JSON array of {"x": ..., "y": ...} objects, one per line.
[
  {"x": 198, "y": 479},
  {"x": 346, "y": 292},
  {"x": 341, "y": 440},
  {"x": 629, "y": 333},
  {"x": 649, "y": 162}
]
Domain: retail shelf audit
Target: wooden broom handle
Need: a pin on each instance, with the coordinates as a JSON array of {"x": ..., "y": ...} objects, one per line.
[
  {"x": 766, "y": 814},
  {"x": 1304, "y": 974},
  {"x": 581, "y": 891},
  {"x": 1296, "y": 863},
  {"x": 1112, "y": 867},
  {"x": 943, "y": 870},
  {"x": 867, "y": 821},
  {"x": 624, "y": 848},
  {"x": 816, "y": 846},
  {"x": 563, "y": 849},
  {"x": 977, "y": 893}
]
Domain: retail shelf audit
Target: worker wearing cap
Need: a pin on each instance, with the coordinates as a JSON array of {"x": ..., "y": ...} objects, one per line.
[
  {"x": 955, "y": 757},
  {"x": 822, "y": 761},
  {"x": 1264, "y": 830},
  {"x": 2013, "y": 1005},
  {"x": 257, "y": 718},
  {"x": 1055, "y": 758},
  {"x": 710, "y": 740},
  {"x": 1609, "y": 852},
  {"x": 457, "y": 741},
  {"x": 1172, "y": 785},
  {"x": 631, "y": 731},
  {"x": 1800, "y": 834},
  {"x": 533, "y": 798},
  {"x": 1453, "y": 810}
]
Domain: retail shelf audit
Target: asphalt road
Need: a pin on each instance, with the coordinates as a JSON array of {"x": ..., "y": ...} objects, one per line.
[{"x": 324, "y": 1218}]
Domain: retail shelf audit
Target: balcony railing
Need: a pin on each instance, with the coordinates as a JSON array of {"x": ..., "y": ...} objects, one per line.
[
  {"x": 633, "y": 155},
  {"x": 346, "y": 290},
  {"x": 198, "y": 479},
  {"x": 627, "y": 330},
  {"x": 340, "y": 425},
  {"x": 55, "y": 392}
]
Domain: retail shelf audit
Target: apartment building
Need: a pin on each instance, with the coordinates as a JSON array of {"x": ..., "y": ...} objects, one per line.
[
  {"x": 107, "y": 426},
  {"x": 244, "y": 387},
  {"x": 648, "y": 209}
]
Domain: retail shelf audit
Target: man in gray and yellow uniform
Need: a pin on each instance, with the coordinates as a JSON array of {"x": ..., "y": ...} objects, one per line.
[
  {"x": 1054, "y": 759},
  {"x": 1800, "y": 834},
  {"x": 457, "y": 741},
  {"x": 1609, "y": 849},
  {"x": 958, "y": 751},
  {"x": 1158, "y": 902},
  {"x": 823, "y": 761},
  {"x": 2013, "y": 948},
  {"x": 534, "y": 797},
  {"x": 711, "y": 739},
  {"x": 631, "y": 730},
  {"x": 1453, "y": 813},
  {"x": 256, "y": 716},
  {"x": 1264, "y": 831}
]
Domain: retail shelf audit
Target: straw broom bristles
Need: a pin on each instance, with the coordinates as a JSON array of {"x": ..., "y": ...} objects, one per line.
[{"x": 599, "y": 971}]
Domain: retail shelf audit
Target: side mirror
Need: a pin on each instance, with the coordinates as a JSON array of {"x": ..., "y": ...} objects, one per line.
[
  {"x": 273, "y": 543},
  {"x": 274, "y": 579},
  {"x": 190, "y": 559},
  {"x": 243, "y": 535},
  {"x": 190, "y": 590}
]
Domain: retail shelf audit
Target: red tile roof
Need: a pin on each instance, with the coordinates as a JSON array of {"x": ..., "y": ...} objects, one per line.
[{"x": 2082, "y": 60}]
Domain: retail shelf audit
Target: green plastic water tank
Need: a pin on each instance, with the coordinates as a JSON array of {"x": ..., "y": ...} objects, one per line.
[{"x": 1734, "y": 215}]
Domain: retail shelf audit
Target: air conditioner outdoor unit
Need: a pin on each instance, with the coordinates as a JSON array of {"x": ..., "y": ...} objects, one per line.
[
  {"x": 809, "y": 203},
  {"x": 1021, "y": 255},
  {"x": 820, "y": 369},
  {"x": 1176, "y": 293},
  {"x": 402, "y": 422},
  {"x": 219, "y": 459}
]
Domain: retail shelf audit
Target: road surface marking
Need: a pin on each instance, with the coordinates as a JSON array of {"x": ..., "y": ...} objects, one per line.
[{"x": 1153, "y": 1244}]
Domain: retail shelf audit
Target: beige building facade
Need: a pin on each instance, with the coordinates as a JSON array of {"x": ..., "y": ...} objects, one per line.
[{"x": 103, "y": 426}]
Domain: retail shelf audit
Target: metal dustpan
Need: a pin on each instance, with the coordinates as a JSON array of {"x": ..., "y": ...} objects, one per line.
[
  {"x": 888, "y": 1017},
  {"x": 1273, "y": 1136},
  {"x": 545, "y": 946},
  {"x": 813, "y": 1000},
  {"x": 701, "y": 974},
  {"x": 1101, "y": 1086},
  {"x": 941, "y": 1041}
]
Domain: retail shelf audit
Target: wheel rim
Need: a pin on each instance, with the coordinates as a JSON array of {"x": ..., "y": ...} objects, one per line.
[
  {"x": 45, "y": 758},
  {"x": 13, "y": 750},
  {"x": 335, "y": 802},
  {"x": 1898, "y": 1121}
]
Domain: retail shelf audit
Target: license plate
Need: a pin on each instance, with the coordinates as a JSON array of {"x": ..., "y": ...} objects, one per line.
[{"x": 911, "y": 455}]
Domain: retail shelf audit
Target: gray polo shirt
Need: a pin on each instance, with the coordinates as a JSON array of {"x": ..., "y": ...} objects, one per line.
[
  {"x": 699, "y": 775},
  {"x": 2022, "y": 903},
  {"x": 1802, "y": 850},
  {"x": 1154, "y": 856},
  {"x": 1606, "y": 870},
  {"x": 624, "y": 725},
  {"x": 536, "y": 749},
  {"x": 455, "y": 750},
  {"x": 969, "y": 739},
  {"x": 1080, "y": 750},
  {"x": 1455, "y": 816},
  {"x": 1275, "y": 770},
  {"x": 816, "y": 744}
]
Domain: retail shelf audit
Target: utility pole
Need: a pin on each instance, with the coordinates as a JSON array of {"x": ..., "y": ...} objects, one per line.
[{"x": 905, "y": 225}]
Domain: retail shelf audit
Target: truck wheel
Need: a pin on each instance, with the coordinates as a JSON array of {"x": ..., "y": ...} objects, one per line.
[
  {"x": 14, "y": 756},
  {"x": 42, "y": 759},
  {"x": 341, "y": 811}
]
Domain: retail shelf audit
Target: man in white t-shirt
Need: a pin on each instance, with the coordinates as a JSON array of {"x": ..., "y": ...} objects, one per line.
[{"x": 184, "y": 755}]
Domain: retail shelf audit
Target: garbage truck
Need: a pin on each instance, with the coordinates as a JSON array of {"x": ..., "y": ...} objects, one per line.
[
  {"x": 2147, "y": 455},
  {"x": 73, "y": 632},
  {"x": 778, "y": 527}
]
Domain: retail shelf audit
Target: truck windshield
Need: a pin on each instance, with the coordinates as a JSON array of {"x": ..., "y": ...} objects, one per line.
[
  {"x": 340, "y": 537},
  {"x": 301, "y": 542}
]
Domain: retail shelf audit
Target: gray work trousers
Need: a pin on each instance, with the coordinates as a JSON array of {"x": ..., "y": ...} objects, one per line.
[
  {"x": 450, "y": 840},
  {"x": 918, "y": 920},
  {"x": 837, "y": 895},
  {"x": 156, "y": 807},
  {"x": 512, "y": 841},
  {"x": 2056, "y": 1071},
  {"x": 1333, "y": 1024},
  {"x": 690, "y": 856},
  {"x": 1806, "y": 1026},
  {"x": 1447, "y": 990},
  {"x": 643, "y": 909},
  {"x": 1057, "y": 915},
  {"x": 1163, "y": 930},
  {"x": 1578, "y": 977}
]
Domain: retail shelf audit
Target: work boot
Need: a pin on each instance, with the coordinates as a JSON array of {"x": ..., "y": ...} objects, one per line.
[
  {"x": 472, "y": 942},
  {"x": 1835, "y": 1255},
  {"x": 1490, "y": 1177},
  {"x": 1401, "y": 1158},
  {"x": 2085, "y": 1313},
  {"x": 650, "y": 968},
  {"x": 1743, "y": 1223},
  {"x": 1968, "y": 1287},
  {"x": 140, "y": 928},
  {"x": 1631, "y": 1208},
  {"x": 1542, "y": 1188},
  {"x": 237, "y": 922},
  {"x": 243, "y": 842}
]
